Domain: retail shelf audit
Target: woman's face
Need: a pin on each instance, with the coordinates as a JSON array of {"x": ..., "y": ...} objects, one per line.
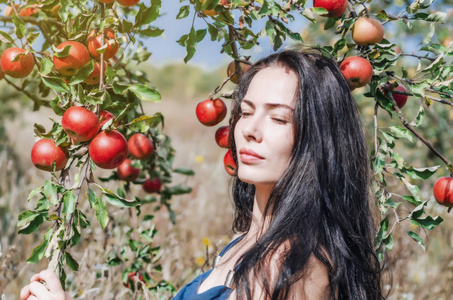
[{"x": 264, "y": 133}]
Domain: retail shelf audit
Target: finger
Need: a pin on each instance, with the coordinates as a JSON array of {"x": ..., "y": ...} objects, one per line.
[
  {"x": 25, "y": 292},
  {"x": 52, "y": 281},
  {"x": 35, "y": 277},
  {"x": 32, "y": 298},
  {"x": 39, "y": 290}
]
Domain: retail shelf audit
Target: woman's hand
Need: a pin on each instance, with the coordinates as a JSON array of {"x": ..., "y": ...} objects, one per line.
[{"x": 38, "y": 291}]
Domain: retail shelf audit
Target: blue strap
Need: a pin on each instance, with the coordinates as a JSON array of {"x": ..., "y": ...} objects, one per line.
[{"x": 231, "y": 244}]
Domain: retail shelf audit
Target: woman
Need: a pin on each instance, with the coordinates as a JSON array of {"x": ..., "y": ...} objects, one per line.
[{"x": 301, "y": 192}]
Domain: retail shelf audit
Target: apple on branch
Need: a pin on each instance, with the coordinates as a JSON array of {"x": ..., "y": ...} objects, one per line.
[
  {"x": 367, "y": 31},
  {"x": 443, "y": 191},
  {"x": 78, "y": 57},
  {"x": 357, "y": 71},
  {"x": 152, "y": 185},
  {"x": 108, "y": 149},
  {"x": 232, "y": 68},
  {"x": 211, "y": 112},
  {"x": 45, "y": 153},
  {"x": 95, "y": 76},
  {"x": 335, "y": 8},
  {"x": 222, "y": 135},
  {"x": 80, "y": 123},
  {"x": 127, "y": 172},
  {"x": 400, "y": 99},
  {"x": 140, "y": 146},
  {"x": 105, "y": 116},
  {"x": 16, "y": 64},
  {"x": 94, "y": 42},
  {"x": 229, "y": 164}
]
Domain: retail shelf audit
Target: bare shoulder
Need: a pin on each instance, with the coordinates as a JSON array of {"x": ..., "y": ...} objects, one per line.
[{"x": 313, "y": 285}]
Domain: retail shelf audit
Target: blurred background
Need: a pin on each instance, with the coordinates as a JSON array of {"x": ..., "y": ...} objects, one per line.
[{"x": 204, "y": 217}]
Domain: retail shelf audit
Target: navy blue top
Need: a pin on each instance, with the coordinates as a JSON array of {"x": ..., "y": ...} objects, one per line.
[{"x": 221, "y": 292}]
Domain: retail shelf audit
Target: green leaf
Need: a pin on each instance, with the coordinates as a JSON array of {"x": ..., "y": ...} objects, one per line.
[
  {"x": 46, "y": 66},
  {"x": 183, "y": 12},
  {"x": 20, "y": 26},
  {"x": 110, "y": 74},
  {"x": 151, "y": 32},
  {"x": 64, "y": 52},
  {"x": 178, "y": 189},
  {"x": 420, "y": 173},
  {"x": 400, "y": 132},
  {"x": 38, "y": 252},
  {"x": 99, "y": 206},
  {"x": 191, "y": 45},
  {"x": 416, "y": 238},
  {"x": 330, "y": 22},
  {"x": 34, "y": 192},
  {"x": 83, "y": 73},
  {"x": 69, "y": 203},
  {"x": 184, "y": 171},
  {"x": 50, "y": 192},
  {"x": 428, "y": 222},
  {"x": 26, "y": 217},
  {"x": 379, "y": 164},
  {"x": 4, "y": 37},
  {"x": 31, "y": 39},
  {"x": 71, "y": 262},
  {"x": 319, "y": 11},
  {"x": 55, "y": 83},
  {"x": 145, "y": 93}
]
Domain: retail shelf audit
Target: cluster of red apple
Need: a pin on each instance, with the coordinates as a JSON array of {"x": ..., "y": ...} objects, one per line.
[
  {"x": 108, "y": 149},
  {"x": 211, "y": 112},
  {"x": 19, "y": 63},
  {"x": 365, "y": 32}
]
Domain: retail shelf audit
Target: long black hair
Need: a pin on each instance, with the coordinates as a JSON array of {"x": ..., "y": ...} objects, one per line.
[{"x": 321, "y": 204}]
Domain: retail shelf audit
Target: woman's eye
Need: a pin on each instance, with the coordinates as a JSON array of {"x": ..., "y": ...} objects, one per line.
[
  {"x": 245, "y": 114},
  {"x": 280, "y": 121}
]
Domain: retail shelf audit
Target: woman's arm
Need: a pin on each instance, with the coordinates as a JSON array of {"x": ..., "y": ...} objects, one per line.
[{"x": 36, "y": 290}]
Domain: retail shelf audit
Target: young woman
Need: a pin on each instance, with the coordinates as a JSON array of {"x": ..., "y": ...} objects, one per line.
[{"x": 301, "y": 192}]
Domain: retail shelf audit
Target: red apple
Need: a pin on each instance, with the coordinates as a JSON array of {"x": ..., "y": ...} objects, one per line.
[
  {"x": 127, "y": 172},
  {"x": 400, "y": 99},
  {"x": 127, "y": 2},
  {"x": 28, "y": 11},
  {"x": 105, "y": 116},
  {"x": 443, "y": 191},
  {"x": 44, "y": 153},
  {"x": 232, "y": 68},
  {"x": 95, "y": 76},
  {"x": 77, "y": 58},
  {"x": 335, "y": 8},
  {"x": 80, "y": 124},
  {"x": 357, "y": 71},
  {"x": 228, "y": 162},
  {"x": 367, "y": 31},
  {"x": 108, "y": 149},
  {"x": 140, "y": 146},
  {"x": 152, "y": 185},
  {"x": 17, "y": 69},
  {"x": 94, "y": 41},
  {"x": 221, "y": 136},
  {"x": 211, "y": 112}
]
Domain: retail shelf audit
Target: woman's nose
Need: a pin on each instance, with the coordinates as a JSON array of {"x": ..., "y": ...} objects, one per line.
[{"x": 252, "y": 129}]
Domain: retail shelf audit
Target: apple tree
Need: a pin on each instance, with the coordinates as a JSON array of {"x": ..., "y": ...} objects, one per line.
[{"x": 78, "y": 58}]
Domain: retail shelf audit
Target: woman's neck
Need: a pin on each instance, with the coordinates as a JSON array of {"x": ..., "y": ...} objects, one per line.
[{"x": 260, "y": 221}]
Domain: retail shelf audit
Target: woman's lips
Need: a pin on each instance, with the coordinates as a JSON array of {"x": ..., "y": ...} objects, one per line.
[{"x": 249, "y": 156}]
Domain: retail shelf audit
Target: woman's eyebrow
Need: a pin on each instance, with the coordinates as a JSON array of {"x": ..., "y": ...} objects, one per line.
[{"x": 269, "y": 105}]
